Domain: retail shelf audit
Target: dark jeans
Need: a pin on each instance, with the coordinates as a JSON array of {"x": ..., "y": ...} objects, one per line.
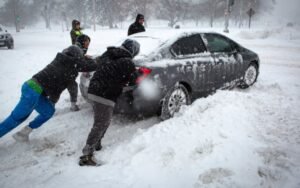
[
  {"x": 73, "y": 90},
  {"x": 102, "y": 118}
]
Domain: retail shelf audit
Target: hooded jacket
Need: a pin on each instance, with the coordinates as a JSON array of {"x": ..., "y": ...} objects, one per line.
[
  {"x": 75, "y": 32},
  {"x": 136, "y": 27},
  {"x": 56, "y": 76},
  {"x": 114, "y": 72}
]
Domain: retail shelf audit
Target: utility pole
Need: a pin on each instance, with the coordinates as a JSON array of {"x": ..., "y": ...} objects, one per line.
[
  {"x": 94, "y": 14},
  {"x": 213, "y": 5},
  {"x": 16, "y": 17},
  {"x": 226, "y": 17},
  {"x": 241, "y": 13},
  {"x": 229, "y": 4},
  {"x": 250, "y": 13}
]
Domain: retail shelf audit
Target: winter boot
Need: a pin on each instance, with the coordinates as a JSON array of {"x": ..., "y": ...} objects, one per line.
[
  {"x": 74, "y": 107},
  {"x": 23, "y": 134},
  {"x": 87, "y": 160}
]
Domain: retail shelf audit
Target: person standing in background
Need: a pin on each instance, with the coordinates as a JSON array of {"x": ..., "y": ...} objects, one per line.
[
  {"x": 137, "y": 26},
  {"x": 73, "y": 86},
  {"x": 115, "y": 71},
  {"x": 76, "y": 31}
]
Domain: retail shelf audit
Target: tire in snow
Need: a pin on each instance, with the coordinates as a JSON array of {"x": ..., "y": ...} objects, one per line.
[
  {"x": 250, "y": 76},
  {"x": 174, "y": 99}
]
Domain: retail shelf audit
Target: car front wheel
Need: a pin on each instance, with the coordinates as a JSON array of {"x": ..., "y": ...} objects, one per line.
[
  {"x": 10, "y": 45},
  {"x": 174, "y": 99},
  {"x": 250, "y": 76}
]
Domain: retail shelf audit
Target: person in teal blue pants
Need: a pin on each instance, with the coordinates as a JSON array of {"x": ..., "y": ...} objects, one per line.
[
  {"x": 43, "y": 90},
  {"x": 32, "y": 98}
]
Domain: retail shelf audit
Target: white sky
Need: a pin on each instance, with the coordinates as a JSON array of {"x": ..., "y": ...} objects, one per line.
[{"x": 287, "y": 9}]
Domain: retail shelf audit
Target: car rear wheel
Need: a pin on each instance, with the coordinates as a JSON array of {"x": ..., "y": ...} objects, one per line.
[
  {"x": 250, "y": 76},
  {"x": 174, "y": 99}
]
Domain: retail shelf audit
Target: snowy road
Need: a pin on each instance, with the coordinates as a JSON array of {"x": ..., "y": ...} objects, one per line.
[{"x": 236, "y": 138}]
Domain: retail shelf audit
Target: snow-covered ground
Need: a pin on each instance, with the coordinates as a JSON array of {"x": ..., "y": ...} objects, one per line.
[{"x": 237, "y": 138}]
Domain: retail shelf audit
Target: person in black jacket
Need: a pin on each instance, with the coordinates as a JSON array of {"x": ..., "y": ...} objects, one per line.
[
  {"x": 43, "y": 90},
  {"x": 115, "y": 71},
  {"x": 137, "y": 26}
]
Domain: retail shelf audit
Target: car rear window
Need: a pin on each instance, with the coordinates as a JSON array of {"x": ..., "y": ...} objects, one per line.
[{"x": 188, "y": 45}]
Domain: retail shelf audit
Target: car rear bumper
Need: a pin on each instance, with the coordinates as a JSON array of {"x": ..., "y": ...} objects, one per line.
[{"x": 131, "y": 102}]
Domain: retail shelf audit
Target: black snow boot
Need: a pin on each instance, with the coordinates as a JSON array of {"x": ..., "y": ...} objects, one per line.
[{"x": 87, "y": 160}]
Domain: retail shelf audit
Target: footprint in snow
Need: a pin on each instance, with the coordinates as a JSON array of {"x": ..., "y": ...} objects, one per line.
[{"x": 214, "y": 175}]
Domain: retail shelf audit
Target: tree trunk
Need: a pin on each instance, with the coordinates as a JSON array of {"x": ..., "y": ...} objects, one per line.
[
  {"x": 94, "y": 14},
  {"x": 212, "y": 12},
  {"x": 16, "y": 17},
  {"x": 241, "y": 13},
  {"x": 46, "y": 15}
]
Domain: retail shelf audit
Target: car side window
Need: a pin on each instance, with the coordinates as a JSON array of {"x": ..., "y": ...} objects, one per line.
[
  {"x": 188, "y": 45},
  {"x": 217, "y": 43},
  {"x": 0, "y": 29}
]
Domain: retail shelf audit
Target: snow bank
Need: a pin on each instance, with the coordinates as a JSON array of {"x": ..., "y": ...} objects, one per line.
[
  {"x": 215, "y": 142},
  {"x": 203, "y": 145}
]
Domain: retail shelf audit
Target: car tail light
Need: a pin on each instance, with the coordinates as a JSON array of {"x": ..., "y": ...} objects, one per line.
[{"x": 144, "y": 72}]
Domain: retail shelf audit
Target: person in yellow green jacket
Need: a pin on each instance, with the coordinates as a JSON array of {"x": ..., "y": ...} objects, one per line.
[
  {"x": 76, "y": 31},
  {"x": 73, "y": 86}
]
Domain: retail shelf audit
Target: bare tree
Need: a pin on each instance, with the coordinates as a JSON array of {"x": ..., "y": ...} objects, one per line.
[
  {"x": 65, "y": 20},
  {"x": 198, "y": 10},
  {"x": 172, "y": 10},
  {"x": 16, "y": 16},
  {"x": 46, "y": 15},
  {"x": 239, "y": 12},
  {"x": 206, "y": 9},
  {"x": 94, "y": 14},
  {"x": 48, "y": 10},
  {"x": 112, "y": 12},
  {"x": 12, "y": 13},
  {"x": 214, "y": 5}
]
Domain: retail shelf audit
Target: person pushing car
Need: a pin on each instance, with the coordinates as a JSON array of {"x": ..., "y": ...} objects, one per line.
[
  {"x": 115, "y": 70},
  {"x": 43, "y": 90}
]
